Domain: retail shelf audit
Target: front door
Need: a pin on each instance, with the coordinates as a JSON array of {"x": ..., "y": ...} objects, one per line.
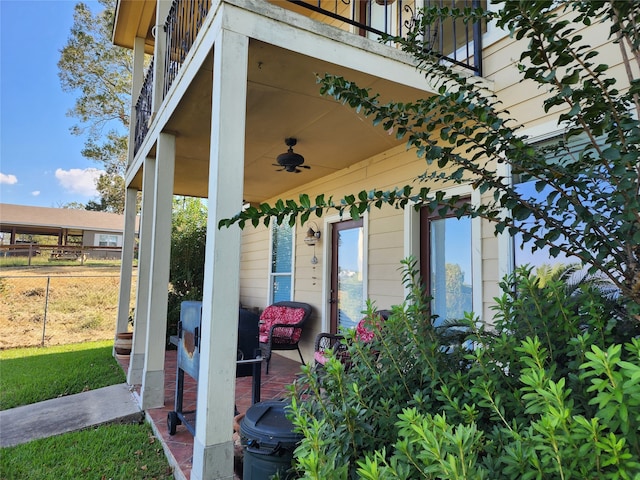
[{"x": 347, "y": 297}]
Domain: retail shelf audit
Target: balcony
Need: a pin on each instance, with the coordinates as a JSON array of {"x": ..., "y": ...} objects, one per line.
[{"x": 456, "y": 43}]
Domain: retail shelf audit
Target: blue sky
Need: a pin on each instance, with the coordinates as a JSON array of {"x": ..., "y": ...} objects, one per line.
[{"x": 40, "y": 160}]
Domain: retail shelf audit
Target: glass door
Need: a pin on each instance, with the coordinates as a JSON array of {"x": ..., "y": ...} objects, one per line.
[
  {"x": 446, "y": 263},
  {"x": 347, "y": 297}
]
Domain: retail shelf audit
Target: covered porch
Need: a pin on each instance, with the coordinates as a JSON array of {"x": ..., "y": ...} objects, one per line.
[{"x": 214, "y": 128}]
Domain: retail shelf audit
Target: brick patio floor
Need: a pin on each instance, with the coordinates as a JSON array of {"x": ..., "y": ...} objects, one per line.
[{"x": 179, "y": 447}]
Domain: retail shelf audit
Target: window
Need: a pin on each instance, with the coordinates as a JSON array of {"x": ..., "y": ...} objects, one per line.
[
  {"x": 524, "y": 253},
  {"x": 446, "y": 263},
  {"x": 281, "y": 269},
  {"x": 107, "y": 240}
]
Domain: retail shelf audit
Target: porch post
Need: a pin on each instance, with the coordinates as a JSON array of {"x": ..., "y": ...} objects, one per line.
[
  {"x": 162, "y": 11},
  {"x": 126, "y": 262},
  {"x": 137, "y": 80},
  {"x": 141, "y": 315},
  {"x": 152, "y": 390},
  {"x": 213, "y": 447},
  {"x": 130, "y": 211}
]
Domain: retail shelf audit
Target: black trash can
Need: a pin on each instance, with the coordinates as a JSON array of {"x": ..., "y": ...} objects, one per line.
[{"x": 269, "y": 441}]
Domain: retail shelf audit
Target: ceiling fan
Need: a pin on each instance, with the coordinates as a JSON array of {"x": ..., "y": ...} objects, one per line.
[{"x": 290, "y": 161}]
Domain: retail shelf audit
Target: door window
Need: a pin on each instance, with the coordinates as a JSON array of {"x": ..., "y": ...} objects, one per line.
[
  {"x": 347, "y": 275},
  {"x": 446, "y": 263}
]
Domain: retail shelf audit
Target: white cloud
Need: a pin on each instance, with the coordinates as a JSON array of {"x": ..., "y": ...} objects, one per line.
[
  {"x": 81, "y": 182},
  {"x": 8, "y": 179},
  {"x": 35, "y": 193}
]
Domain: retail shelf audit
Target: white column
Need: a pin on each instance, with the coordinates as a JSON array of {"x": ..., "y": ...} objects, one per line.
[
  {"x": 126, "y": 265},
  {"x": 152, "y": 390},
  {"x": 213, "y": 447},
  {"x": 130, "y": 211},
  {"x": 141, "y": 314},
  {"x": 137, "y": 80},
  {"x": 160, "y": 48}
]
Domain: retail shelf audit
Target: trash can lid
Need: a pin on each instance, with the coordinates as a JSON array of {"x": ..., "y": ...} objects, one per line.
[{"x": 266, "y": 423}]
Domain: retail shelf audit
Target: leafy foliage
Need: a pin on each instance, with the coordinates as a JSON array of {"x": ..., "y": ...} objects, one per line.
[
  {"x": 592, "y": 206},
  {"x": 101, "y": 73},
  {"x": 548, "y": 393},
  {"x": 188, "y": 240}
]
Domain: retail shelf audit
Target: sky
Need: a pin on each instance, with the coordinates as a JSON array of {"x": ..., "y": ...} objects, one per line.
[{"x": 40, "y": 160}]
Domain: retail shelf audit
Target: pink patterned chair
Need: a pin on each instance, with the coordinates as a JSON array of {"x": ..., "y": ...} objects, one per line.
[
  {"x": 281, "y": 327},
  {"x": 326, "y": 342}
]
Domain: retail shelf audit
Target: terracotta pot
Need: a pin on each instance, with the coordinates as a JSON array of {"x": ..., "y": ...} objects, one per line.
[
  {"x": 122, "y": 344},
  {"x": 236, "y": 422},
  {"x": 385, "y": 2}
]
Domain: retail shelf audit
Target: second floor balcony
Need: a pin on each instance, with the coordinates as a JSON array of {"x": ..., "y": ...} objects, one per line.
[
  {"x": 288, "y": 47},
  {"x": 454, "y": 42}
]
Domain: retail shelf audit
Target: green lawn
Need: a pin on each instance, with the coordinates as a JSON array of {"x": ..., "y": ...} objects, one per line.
[
  {"x": 128, "y": 452},
  {"x": 30, "y": 375}
]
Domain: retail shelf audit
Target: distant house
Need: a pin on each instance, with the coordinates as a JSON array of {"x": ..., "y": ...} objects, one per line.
[{"x": 100, "y": 232}]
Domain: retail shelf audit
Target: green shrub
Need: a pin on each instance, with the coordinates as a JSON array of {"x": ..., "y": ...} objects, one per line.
[
  {"x": 548, "y": 392},
  {"x": 188, "y": 241}
]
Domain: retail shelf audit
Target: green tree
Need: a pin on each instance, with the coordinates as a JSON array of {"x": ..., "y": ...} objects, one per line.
[
  {"x": 458, "y": 294},
  {"x": 188, "y": 241},
  {"x": 100, "y": 73},
  {"x": 591, "y": 209}
]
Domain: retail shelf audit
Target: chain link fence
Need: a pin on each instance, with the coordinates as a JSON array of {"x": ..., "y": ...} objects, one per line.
[{"x": 43, "y": 310}]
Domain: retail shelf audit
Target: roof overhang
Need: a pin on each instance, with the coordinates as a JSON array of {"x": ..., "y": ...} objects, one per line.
[{"x": 134, "y": 18}]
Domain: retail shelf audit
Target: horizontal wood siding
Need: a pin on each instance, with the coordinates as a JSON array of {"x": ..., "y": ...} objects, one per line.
[{"x": 396, "y": 168}]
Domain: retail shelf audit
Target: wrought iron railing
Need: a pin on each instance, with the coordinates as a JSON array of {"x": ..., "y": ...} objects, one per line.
[
  {"x": 143, "y": 109},
  {"x": 181, "y": 28},
  {"x": 452, "y": 41}
]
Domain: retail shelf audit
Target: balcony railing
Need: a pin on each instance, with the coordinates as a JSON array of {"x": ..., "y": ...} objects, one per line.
[
  {"x": 453, "y": 41},
  {"x": 181, "y": 28},
  {"x": 143, "y": 109}
]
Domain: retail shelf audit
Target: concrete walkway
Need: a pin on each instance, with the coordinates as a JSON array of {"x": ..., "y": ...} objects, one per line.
[{"x": 66, "y": 414}]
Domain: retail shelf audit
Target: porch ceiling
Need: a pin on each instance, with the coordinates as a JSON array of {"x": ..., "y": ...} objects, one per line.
[
  {"x": 283, "y": 101},
  {"x": 134, "y": 18}
]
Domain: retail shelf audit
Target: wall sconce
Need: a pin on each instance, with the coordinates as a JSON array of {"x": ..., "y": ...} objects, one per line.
[
  {"x": 312, "y": 235},
  {"x": 312, "y": 239}
]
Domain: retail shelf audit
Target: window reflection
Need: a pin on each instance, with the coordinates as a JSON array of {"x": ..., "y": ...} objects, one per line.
[
  {"x": 450, "y": 273},
  {"x": 350, "y": 281}
]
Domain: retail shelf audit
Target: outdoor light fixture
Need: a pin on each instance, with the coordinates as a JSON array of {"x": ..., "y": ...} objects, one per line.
[
  {"x": 311, "y": 239},
  {"x": 312, "y": 235}
]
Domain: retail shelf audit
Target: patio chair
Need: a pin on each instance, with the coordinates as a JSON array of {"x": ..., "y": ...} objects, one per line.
[
  {"x": 326, "y": 342},
  {"x": 281, "y": 327}
]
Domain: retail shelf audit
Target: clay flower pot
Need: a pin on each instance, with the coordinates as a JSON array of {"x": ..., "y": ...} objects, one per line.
[{"x": 122, "y": 343}]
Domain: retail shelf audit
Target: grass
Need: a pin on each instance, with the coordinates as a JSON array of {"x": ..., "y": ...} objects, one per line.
[
  {"x": 29, "y": 375},
  {"x": 117, "y": 451},
  {"x": 108, "y": 452}
]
